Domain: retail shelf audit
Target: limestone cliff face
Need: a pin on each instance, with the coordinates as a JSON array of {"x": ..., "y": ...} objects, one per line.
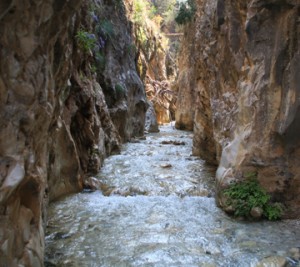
[
  {"x": 152, "y": 62},
  {"x": 55, "y": 126},
  {"x": 246, "y": 81},
  {"x": 121, "y": 83},
  {"x": 185, "y": 83}
]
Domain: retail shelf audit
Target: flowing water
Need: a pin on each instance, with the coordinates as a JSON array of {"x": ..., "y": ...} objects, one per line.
[{"x": 157, "y": 208}]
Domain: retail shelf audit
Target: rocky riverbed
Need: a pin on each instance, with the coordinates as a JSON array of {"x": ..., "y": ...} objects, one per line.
[{"x": 157, "y": 208}]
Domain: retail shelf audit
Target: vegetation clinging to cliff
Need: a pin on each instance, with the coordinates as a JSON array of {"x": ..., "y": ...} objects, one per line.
[{"x": 247, "y": 195}]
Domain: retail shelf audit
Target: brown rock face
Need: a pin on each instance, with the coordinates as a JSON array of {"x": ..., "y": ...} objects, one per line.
[
  {"x": 246, "y": 78},
  {"x": 55, "y": 126},
  {"x": 185, "y": 112},
  {"x": 123, "y": 89},
  {"x": 152, "y": 65}
]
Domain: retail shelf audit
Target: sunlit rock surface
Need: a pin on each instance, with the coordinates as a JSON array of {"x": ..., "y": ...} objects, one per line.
[{"x": 245, "y": 75}]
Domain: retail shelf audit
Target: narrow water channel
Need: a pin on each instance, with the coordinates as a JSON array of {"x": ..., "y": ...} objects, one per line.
[{"x": 157, "y": 208}]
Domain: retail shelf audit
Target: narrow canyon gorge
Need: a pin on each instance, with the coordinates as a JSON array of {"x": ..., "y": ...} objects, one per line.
[{"x": 81, "y": 79}]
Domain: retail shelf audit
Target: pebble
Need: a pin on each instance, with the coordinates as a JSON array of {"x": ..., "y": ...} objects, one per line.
[{"x": 166, "y": 165}]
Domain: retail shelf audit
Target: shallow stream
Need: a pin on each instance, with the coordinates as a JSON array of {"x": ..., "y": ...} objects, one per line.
[{"x": 157, "y": 208}]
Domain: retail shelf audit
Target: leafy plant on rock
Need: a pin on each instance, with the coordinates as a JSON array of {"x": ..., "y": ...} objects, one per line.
[
  {"x": 246, "y": 195},
  {"x": 86, "y": 40}
]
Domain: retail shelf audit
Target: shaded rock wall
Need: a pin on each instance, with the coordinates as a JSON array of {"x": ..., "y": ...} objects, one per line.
[
  {"x": 246, "y": 79},
  {"x": 121, "y": 83},
  {"x": 55, "y": 126}
]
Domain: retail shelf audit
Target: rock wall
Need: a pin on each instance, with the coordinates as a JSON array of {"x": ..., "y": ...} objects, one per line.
[
  {"x": 121, "y": 83},
  {"x": 55, "y": 126},
  {"x": 185, "y": 83},
  {"x": 152, "y": 61},
  {"x": 246, "y": 80}
]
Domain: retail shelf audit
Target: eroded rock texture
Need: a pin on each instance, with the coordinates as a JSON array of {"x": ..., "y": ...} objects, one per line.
[
  {"x": 185, "y": 111},
  {"x": 55, "y": 126},
  {"x": 152, "y": 63},
  {"x": 122, "y": 86},
  {"x": 246, "y": 79}
]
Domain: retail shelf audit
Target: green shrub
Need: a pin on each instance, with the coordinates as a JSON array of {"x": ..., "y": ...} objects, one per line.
[
  {"x": 273, "y": 211},
  {"x": 186, "y": 12},
  {"x": 248, "y": 194},
  {"x": 86, "y": 40}
]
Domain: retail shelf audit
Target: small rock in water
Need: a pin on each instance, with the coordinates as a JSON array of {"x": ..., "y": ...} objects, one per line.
[
  {"x": 272, "y": 261},
  {"x": 292, "y": 262},
  {"x": 91, "y": 184},
  {"x": 128, "y": 191},
  {"x": 256, "y": 212},
  {"x": 166, "y": 165},
  {"x": 295, "y": 253},
  {"x": 176, "y": 143},
  {"x": 61, "y": 235}
]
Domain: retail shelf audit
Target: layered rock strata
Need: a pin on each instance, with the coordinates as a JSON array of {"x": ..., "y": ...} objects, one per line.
[
  {"x": 55, "y": 125},
  {"x": 245, "y": 76}
]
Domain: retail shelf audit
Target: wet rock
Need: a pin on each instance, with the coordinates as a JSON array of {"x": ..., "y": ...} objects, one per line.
[
  {"x": 256, "y": 212},
  {"x": 170, "y": 142},
  {"x": 292, "y": 262},
  {"x": 61, "y": 235},
  {"x": 128, "y": 191},
  {"x": 272, "y": 261},
  {"x": 166, "y": 165},
  {"x": 295, "y": 253},
  {"x": 92, "y": 183}
]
